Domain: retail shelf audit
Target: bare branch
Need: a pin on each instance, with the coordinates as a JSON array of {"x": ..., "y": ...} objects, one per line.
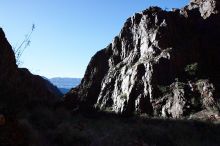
[{"x": 24, "y": 44}]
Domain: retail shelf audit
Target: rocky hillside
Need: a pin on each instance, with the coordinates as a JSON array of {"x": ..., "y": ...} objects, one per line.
[
  {"x": 18, "y": 87},
  {"x": 162, "y": 63}
]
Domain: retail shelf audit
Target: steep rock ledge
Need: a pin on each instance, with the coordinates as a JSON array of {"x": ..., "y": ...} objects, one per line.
[{"x": 163, "y": 63}]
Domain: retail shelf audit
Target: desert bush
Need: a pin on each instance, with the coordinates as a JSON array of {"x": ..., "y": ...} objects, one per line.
[
  {"x": 163, "y": 89},
  {"x": 192, "y": 69}
]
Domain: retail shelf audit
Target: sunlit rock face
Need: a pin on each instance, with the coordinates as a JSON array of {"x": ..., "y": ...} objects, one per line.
[{"x": 163, "y": 63}]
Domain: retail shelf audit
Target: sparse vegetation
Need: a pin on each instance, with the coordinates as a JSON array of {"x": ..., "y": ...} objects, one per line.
[
  {"x": 163, "y": 89},
  {"x": 123, "y": 96},
  {"x": 192, "y": 69},
  {"x": 22, "y": 46}
]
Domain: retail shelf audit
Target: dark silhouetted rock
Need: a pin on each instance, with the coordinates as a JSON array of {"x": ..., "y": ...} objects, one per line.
[{"x": 18, "y": 87}]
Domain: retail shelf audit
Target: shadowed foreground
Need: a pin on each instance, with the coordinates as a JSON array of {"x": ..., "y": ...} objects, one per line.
[{"x": 46, "y": 127}]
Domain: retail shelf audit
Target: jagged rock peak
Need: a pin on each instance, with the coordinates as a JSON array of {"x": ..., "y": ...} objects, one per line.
[{"x": 162, "y": 63}]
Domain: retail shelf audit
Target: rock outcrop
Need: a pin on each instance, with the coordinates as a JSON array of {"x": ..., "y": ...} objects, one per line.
[
  {"x": 163, "y": 63},
  {"x": 18, "y": 87},
  {"x": 206, "y": 7}
]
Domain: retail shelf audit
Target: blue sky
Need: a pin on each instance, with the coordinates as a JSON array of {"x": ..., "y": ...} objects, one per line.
[{"x": 68, "y": 32}]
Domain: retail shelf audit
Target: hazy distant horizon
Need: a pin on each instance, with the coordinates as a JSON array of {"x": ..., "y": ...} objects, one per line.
[{"x": 69, "y": 32}]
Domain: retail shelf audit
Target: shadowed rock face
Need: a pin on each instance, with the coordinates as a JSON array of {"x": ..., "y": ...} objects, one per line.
[
  {"x": 7, "y": 63},
  {"x": 162, "y": 64},
  {"x": 18, "y": 87}
]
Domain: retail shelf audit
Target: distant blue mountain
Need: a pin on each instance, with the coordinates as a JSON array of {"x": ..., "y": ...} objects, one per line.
[{"x": 65, "y": 84}]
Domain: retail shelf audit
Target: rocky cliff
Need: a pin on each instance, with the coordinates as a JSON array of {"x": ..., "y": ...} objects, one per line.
[
  {"x": 163, "y": 63},
  {"x": 18, "y": 87}
]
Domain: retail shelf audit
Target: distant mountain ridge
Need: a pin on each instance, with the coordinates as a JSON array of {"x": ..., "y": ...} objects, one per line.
[{"x": 65, "y": 84}]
